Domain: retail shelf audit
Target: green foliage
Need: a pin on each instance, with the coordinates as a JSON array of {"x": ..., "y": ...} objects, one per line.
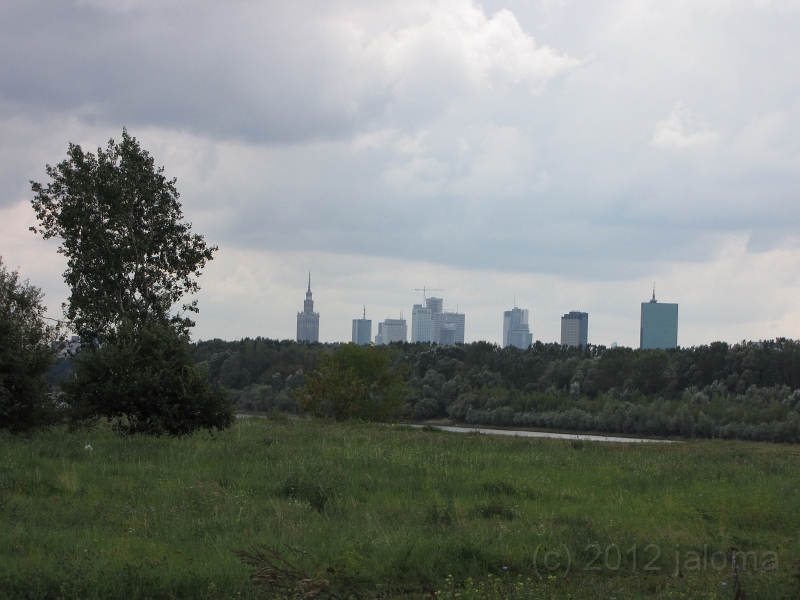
[
  {"x": 129, "y": 254},
  {"x": 143, "y": 379},
  {"x": 26, "y": 353},
  {"x": 405, "y": 513},
  {"x": 260, "y": 398},
  {"x": 251, "y": 361},
  {"x": 356, "y": 382},
  {"x": 745, "y": 391},
  {"x": 618, "y": 390}
]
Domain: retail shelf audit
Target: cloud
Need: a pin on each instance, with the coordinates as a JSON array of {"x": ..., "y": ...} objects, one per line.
[
  {"x": 576, "y": 150},
  {"x": 457, "y": 49},
  {"x": 682, "y": 130},
  {"x": 265, "y": 72}
]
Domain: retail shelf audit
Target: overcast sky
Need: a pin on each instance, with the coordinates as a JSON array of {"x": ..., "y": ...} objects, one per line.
[{"x": 564, "y": 154}]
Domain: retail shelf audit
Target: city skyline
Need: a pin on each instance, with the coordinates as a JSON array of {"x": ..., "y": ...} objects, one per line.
[
  {"x": 389, "y": 145},
  {"x": 658, "y": 326}
]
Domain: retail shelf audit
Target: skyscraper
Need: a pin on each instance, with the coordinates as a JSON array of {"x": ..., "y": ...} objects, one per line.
[
  {"x": 447, "y": 326},
  {"x": 391, "y": 330},
  {"x": 362, "y": 330},
  {"x": 450, "y": 328},
  {"x": 658, "y": 325},
  {"x": 435, "y": 306},
  {"x": 434, "y": 324},
  {"x": 421, "y": 324},
  {"x": 575, "y": 329},
  {"x": 308, "y": 320},
  {"x": 515, "y": 329}
]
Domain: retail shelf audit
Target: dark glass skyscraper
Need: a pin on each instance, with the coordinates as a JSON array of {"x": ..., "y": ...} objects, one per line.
[{"x": 658, "y": 325}]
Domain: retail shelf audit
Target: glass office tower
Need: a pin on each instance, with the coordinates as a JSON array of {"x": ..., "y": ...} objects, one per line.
[{"x": 658, "y": 325}]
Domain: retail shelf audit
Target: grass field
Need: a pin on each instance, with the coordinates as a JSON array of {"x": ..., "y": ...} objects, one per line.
[{"x": 395, "y": 511}]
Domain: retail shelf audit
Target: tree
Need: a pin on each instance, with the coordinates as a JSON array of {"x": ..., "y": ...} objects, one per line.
[
  {"x": 130, "y": 259},
  {"x": 26, "y": 353},
  {"x": 129, "y": 254},
  {"x": 356, "y": 382}
]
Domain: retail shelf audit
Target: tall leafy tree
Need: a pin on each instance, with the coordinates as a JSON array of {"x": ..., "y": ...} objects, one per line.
[
  {"x": 26, "y": 353},
  {"x": 130, "y": 255},
  {"x": 130, "y": 258}
]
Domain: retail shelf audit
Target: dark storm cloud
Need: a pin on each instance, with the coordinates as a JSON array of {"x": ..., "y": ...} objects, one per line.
[
  {"x": 219, "y": 69},
  {"x": 613, "y": 140}
]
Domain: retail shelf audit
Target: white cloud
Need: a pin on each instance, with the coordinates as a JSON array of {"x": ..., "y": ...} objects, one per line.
[
  {"x": 682, "y": 130},
  {"x": 456, "y": 41}
]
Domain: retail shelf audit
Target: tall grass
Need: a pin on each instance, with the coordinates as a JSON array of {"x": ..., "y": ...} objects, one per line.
[{"x": 391, "y": 510}]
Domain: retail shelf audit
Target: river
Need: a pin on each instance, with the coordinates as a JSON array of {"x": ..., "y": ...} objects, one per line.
[{"x": 545, "y": 434}]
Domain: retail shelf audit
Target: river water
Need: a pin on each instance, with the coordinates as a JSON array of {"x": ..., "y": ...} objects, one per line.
[
  {"x": 523, "y": 433},
  {"x": 545, "y": 434}
]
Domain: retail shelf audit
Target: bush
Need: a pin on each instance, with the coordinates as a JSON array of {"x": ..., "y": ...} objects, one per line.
[
  {"x": 143, "y": 380},
  {"x": 427, "y": 408},
  {"x": 26, "y": 353},
  {"x": 263, "y": 398},
  {"x": 356, "y": 382}
]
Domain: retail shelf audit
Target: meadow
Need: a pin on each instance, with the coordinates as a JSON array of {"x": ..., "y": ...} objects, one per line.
[{"x": 390, "y": 511}]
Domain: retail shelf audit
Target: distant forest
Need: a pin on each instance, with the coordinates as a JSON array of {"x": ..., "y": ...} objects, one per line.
[{"x": 749, "y": 390}]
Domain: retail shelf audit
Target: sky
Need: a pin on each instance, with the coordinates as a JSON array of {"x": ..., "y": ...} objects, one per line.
[{"x": 555, "y": 155}]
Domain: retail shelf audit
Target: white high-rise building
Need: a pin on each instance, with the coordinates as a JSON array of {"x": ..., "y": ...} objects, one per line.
[
  {"x": 391, "y": 330},
  {"x": 575, "y": 329},
  {"x": 421, "y": 324},
  {"x": 435, "y": 324},
  {"x": 515, "y": 329},
  {"x": 436, "y": 305}
]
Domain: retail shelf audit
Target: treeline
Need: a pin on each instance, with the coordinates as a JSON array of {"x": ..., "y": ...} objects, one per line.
[
  {"x": 261, "y": 374},
  {"x": 746, "y": 391}
]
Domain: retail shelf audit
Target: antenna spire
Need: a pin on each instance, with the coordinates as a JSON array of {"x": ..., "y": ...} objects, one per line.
[
  {"x": 654, "y": 293},
  {"x": 365, "y": 312},
  {"x": 309, "y": 281}
]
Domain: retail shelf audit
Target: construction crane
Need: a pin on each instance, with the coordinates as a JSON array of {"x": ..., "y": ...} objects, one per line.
[{"x": 424, "y": 289}]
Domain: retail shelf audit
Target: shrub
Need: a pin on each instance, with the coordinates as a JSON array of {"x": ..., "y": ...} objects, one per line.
[
  {"x": 143, "y": 380},
  {"x": 427, "y": 408},
  {"x": 355, "y": 382}
]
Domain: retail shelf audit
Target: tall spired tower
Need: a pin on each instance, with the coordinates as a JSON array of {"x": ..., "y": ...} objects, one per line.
[{"x": 308, "y": 320}]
